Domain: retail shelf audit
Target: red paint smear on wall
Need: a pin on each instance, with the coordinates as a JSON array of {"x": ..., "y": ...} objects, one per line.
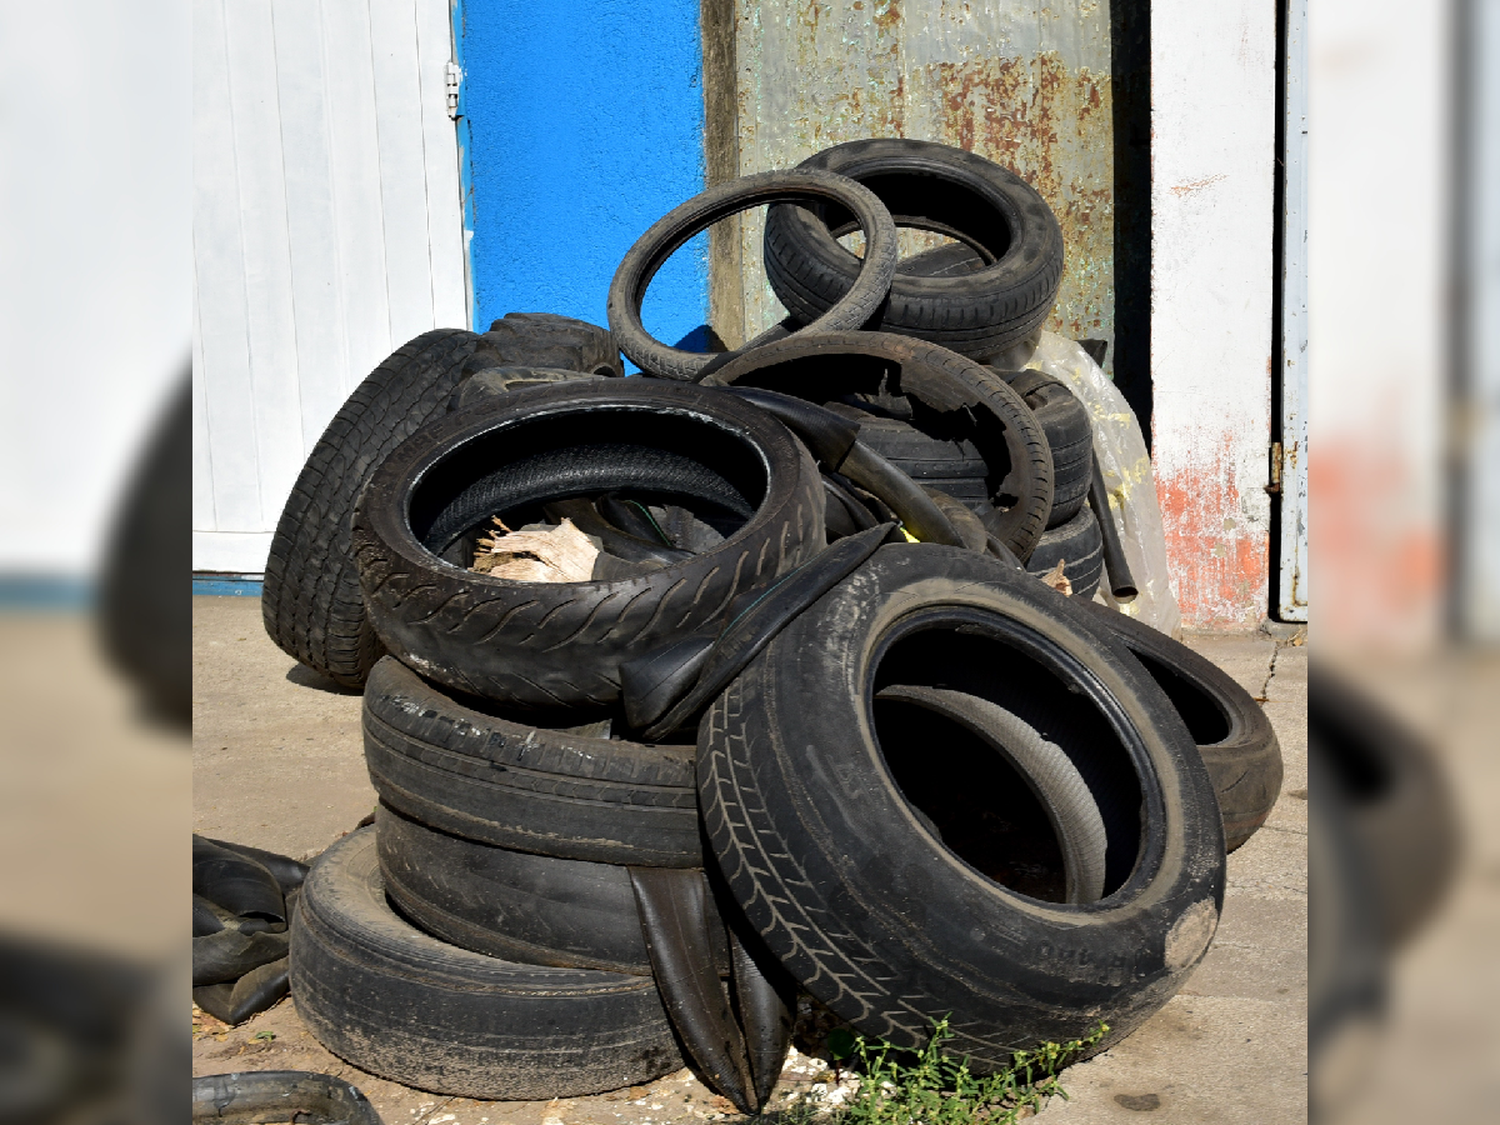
[
  {"x": 1221, "y": 574},
  {"x": 1380, "y": 553}
]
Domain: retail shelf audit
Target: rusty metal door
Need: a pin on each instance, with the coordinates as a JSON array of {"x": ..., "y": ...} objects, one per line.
[{"x": 1027, "y": 85}]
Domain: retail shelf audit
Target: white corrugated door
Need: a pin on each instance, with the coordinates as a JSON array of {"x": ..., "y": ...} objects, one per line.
[{"x": 327, "y": 230}]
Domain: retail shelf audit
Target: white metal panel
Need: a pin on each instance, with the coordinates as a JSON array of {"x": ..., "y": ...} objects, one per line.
[
  {"x": 302, "y": 93},
  {"x": 95, "y": 264},
  {"x": 1213, "y": 129},
  {"x": 222, "y": 347},
  {"x": 450, "y": 301},
  {"x": 403, "y": 180},
  {"x": 1479, "y": 538},
  {"x": 260, "y": 167},
  {"x": 358, "y": 212},
  {"x": 203, "y": 473},
  {"x": 1293, "y": 584},
  {"x": 327, "y": 230}
]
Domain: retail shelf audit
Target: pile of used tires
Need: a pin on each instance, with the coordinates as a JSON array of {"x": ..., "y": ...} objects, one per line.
[{"x": 802, "y": 721}]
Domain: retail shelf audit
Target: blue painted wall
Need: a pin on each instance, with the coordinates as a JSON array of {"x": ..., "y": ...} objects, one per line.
[{"x": 582, "y": 125}]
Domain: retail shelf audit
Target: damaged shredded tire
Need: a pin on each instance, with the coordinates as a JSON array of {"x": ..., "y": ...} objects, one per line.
[
  {"x": 549, "y": 340},
  {"x": 932, "y": 187},
  {"x": 401, "y": 1004},
  {"x": 449, "y": 765},
  {"x": 559, "y": 645},
  {"x": 941, "y": 394},
  {"x": 811, "y": 804}
]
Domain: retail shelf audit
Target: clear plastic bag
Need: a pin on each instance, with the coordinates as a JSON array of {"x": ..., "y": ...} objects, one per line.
[{"x": 1126, "y": 467}]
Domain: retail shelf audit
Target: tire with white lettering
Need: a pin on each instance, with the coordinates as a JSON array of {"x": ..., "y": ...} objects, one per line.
[{"x": 874, "y": 857}]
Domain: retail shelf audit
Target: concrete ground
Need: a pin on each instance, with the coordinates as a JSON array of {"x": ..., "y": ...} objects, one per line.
[{"x": 277, "y": 763}]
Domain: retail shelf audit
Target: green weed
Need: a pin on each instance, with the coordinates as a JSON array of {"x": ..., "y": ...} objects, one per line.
[{"x": 926, "y": 1087}]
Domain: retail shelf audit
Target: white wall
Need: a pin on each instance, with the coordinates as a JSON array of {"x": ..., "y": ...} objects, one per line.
[
  {"x": 327, "y": 231},
  {"x": 95, "y": 260},
  {"x": 1378, "y": 199},
  {"x": 1213, "y": 101}
]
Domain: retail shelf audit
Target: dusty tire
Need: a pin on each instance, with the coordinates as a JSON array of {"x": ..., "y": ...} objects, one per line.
[
  {"x": 1065, "y": 421},
  {"x": 250, "y": 1097},
  {"x": 549, "y": 340},
  {"x": 804, "y": 808},
  {"x": 947, "y": 396},
  {"x": 145, "y": 624},
  {"x": 850, "y": 310},
  {"x": 452, "y": 767},
  {"x": 538, "y": 909},
  {"x": 395, "y": 1002},
  {"x": 311, "y": 602},
  {"x": 559, "y": 645},
  {"x": 1234, "y": 736},
  {"x": 930, "y": 187},
  {"x": 1079, "y": 545},
  {"x": 1399, "y": 805}
]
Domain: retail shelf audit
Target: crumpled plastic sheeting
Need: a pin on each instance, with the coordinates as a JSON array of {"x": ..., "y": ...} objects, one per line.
[{"x": 1126, "y": 466}]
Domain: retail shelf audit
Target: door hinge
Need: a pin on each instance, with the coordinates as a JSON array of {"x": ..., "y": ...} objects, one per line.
[
  {"x": 452, "y": 74},
  {"x": 1276, "y": 458}
]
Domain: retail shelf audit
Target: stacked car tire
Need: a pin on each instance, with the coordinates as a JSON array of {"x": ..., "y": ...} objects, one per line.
[{"x": 807, "y": 723}]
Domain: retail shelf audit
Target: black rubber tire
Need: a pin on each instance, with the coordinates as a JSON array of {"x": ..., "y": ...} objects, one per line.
[
  {"x": 487, "y": 383},
  {"x": 250, "y": 1097},
  {"x": 449, "y": 766},
  {"x": 1065, "y": 421},
  {"x": 946, "y": 395},
  {"x": 878, "y": 920},
  {"x": 969, "y": 526},
  {"x": 1233, "y": 734},
  {"x": 533, "y": 908},
  {"x": 933, "y": 187},
  {"x": 926, "y": 459},
  {"x": 549, "y": 340},
  {"x": 559, "y": 645},
  {"x": 1080, "y": 545},
  {"x": 311, "y": 602},
  {"x": 854, "y": 306},
  {"x": 398, "y": 1003},
  {"x": 1348, "y": 959},
  {"x": 144, "y": 622},
  {"x": 1400, "y": 807},
  {"x": 1047, "y": 771}
]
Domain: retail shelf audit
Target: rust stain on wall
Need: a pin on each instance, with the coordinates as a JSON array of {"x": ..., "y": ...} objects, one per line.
[
  {"x": 1053, "y": 127},
  {"x": 1220, "y": 564},
  {"x": 995, "y": 79}
]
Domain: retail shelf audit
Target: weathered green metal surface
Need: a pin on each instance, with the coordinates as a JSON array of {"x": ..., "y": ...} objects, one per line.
[{"x": 1025, "y": 84}]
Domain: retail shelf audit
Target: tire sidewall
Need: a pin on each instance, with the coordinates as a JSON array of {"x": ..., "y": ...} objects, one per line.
[
  {"x": 386, "y": 546},
  {"x": 920, "y": 914}
]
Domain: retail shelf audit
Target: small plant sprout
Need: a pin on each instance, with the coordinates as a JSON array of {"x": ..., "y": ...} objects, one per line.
[{"x": 926, "y": 1087}]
